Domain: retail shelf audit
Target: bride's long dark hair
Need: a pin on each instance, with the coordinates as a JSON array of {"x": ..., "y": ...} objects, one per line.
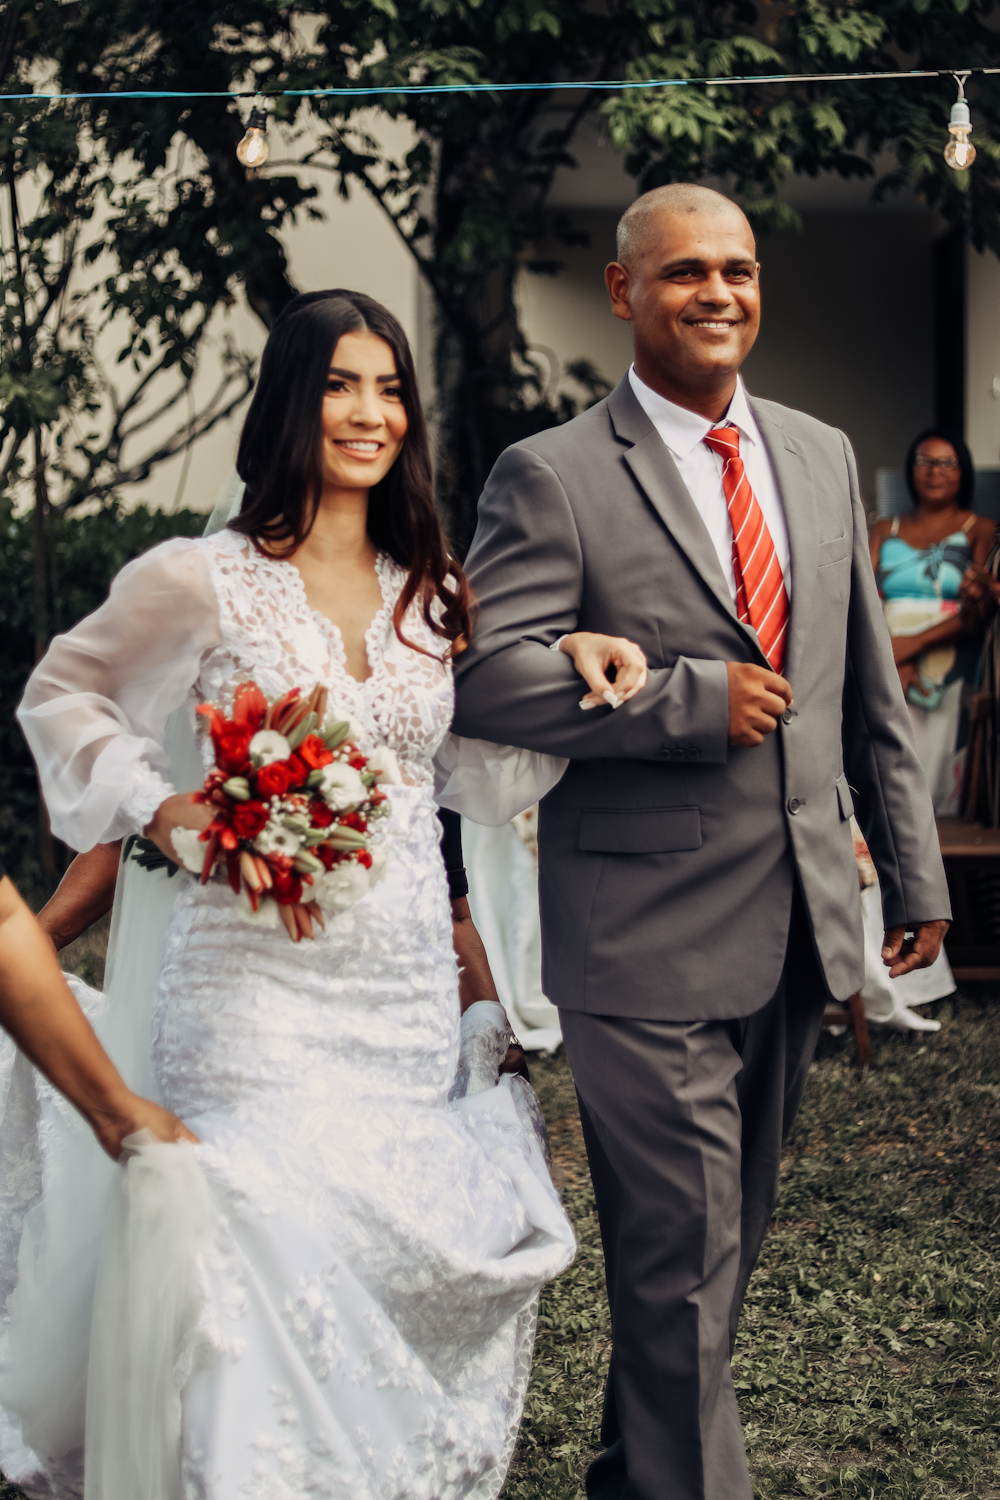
[{"x": 280, "y": 457}]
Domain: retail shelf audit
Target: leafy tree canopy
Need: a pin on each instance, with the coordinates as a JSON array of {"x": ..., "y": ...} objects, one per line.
[{"x": 470, "y": 192}]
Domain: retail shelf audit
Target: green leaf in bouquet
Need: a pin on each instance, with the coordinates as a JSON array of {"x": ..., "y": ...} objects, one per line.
[
  {"x": 298, "y": 734},
  {"x": 335, "y": 734}
]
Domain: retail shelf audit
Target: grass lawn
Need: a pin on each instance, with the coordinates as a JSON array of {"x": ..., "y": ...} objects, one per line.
[{"x": 867, "y": 1364}]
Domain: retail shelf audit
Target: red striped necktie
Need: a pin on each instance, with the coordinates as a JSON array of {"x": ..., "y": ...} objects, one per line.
[{"x": 761, "y": 600}]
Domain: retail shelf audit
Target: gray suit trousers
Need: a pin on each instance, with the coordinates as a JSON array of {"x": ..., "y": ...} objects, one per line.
[{"x": 683, "y": 1123}]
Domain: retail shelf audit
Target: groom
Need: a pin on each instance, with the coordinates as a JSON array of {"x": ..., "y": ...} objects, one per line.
[{"x": 698, "y": 888}]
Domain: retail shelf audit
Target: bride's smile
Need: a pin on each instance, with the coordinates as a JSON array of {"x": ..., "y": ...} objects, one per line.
[{"x": 364, "y": 419}]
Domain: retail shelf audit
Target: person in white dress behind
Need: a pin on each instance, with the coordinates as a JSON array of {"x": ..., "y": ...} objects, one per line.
[{"x": 327, "y": 1282}]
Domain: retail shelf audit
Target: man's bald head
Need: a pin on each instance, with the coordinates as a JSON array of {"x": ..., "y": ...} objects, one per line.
[
  {"x": 677, "y": 198},
  {"x": 687, "y": 280}
]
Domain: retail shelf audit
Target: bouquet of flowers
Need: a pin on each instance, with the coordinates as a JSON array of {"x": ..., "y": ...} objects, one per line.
[{"x": 296, "y": 804}]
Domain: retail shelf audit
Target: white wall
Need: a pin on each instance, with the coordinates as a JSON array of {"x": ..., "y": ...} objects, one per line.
[{"x": 982, "y": 360}]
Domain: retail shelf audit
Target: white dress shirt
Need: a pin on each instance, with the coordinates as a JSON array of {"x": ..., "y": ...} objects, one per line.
[{"x": 683, "y": 432}]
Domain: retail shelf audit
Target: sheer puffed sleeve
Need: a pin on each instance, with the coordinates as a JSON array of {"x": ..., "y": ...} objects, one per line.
[{"x": 96, "y": 706}]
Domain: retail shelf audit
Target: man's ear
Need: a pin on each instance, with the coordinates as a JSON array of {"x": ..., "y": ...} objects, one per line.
[{"x": 616, "y": 279}]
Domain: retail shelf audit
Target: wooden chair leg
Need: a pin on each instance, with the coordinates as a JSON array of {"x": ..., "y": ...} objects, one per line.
[{"x": 859, "y": 1025}]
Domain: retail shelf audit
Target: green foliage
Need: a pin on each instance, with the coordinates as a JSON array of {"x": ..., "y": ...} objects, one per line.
[
  {"x": 469, "y": 190},
  {"x": 116, "y": 219},
  {"x": 86, "y": 553},
  {"x": 868, "y": 1357},
  {"x": 756, "y": 136}
]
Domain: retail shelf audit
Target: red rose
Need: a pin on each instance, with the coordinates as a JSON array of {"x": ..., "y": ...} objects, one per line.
[
  {"x": 314, "y": 752},
  {"x": 354, "y": 820},
  {"x": 273, "y": 780},
  {"x": 320, "y": 815},
  {"x": 249, "y": 818},
  {"x": 364, "y": 858},
  {"x": 300, "y": 771},
  {"x": 357, "y": 760},
  {"x": 287, "y": 888},
  {"x": 232, "y": 750},
  {"x": 330, "y": 857}
]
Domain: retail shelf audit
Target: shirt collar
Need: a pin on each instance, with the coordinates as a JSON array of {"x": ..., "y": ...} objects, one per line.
[{"x": 682, "y": 430}]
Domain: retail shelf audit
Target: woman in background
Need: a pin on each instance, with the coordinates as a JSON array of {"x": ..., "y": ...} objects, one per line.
[{"x": 920, "y": 560}]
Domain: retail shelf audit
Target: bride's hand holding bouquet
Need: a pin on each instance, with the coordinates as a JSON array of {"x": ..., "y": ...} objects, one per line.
[{"x": 287, "y": 810}]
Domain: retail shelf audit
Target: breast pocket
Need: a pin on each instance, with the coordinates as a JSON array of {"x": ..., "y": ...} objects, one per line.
[
  {"x": 834, "y": 551},
  {"x": 649, "y": 830}
]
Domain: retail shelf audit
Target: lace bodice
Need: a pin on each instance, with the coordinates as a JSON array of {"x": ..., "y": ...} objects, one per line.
[{"x": 187, "y": 622}]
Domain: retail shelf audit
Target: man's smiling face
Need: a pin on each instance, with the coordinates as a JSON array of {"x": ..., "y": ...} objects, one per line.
[{"x": 692, "y": 295}]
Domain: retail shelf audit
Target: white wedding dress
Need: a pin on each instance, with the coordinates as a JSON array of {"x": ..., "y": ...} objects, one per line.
[{"x": 359, "y": 1314}]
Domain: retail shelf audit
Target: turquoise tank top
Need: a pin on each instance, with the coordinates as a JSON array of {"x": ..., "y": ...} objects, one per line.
[{"x": 906, "y": 572}]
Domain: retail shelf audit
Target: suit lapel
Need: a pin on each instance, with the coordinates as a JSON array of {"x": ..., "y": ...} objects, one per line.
[
  {"x": 656, "y": 473},
  {"x": 798, "y": 496}
]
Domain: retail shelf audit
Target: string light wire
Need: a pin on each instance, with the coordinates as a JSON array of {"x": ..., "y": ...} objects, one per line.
[{"x": 605, "y": 85}]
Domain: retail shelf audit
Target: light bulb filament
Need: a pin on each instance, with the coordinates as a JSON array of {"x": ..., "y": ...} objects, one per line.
[{"x": 252, "y": 149}]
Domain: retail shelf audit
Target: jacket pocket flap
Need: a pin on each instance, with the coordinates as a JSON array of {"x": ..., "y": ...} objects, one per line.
[
  {"x": 652, "y": 830},
  {"x": 846, "y": 800},
  {"x": 834, "y": 550}
]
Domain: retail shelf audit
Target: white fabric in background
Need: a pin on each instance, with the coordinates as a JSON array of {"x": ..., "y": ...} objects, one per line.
[
  {"x": 934, "y": 736},
  {"x": 503, "y": 896},
  {"x": 889, "y": 1002}
]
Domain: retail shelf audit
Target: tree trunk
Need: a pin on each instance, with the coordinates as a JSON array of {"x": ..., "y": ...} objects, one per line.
[
  {"x": 484, "y": 401},
  {"x": 46, "y": 843}
]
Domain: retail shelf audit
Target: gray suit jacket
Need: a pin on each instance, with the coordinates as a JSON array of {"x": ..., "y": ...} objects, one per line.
[{"x": 668, "y": 857}]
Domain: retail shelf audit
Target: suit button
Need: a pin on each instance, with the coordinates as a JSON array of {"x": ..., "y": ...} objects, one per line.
[
  {"x": 794, "y": 804},
  {"x": 692, "y": 752},
  {"x": 677, "y": 754},
  {"x": 787, "y": 716}
]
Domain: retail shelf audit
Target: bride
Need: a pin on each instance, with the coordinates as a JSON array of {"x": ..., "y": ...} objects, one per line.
[{"x": 326, "y": 1283}]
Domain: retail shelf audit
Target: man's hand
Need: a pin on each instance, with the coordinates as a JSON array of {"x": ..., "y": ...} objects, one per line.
[
  {"x": 917, "y": 952},
  {"x": 757, "y": 699}
]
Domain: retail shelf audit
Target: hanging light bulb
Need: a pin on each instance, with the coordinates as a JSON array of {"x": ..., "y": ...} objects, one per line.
[
  {"x": 252, "y": 149},
  {"x": 960, "y": 153}
]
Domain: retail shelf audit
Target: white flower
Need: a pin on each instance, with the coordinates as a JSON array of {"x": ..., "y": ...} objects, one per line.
[
  {"x": 342, "y": 787},
  {"x": 268, "y": 745},
  {"x": 341, "y": 887},
  {"x": 275, "y": 838},
  {"x": 384, "y": 766},
  {"x": 189, "y": 849}
]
